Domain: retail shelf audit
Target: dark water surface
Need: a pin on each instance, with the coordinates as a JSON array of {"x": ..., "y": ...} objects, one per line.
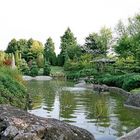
[{"x": 103, "y": 115}]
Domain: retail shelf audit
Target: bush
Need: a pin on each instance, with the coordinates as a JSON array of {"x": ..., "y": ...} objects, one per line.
[
  {"x": 12, "y": 88},
  {"x": 47, "y": 69},
  {"x": 72, "y": 66},
  {"x": 73, "y": 75},
  {"x": 34, "y": 69},
  {"x": 126, "y": 81},
  {"x": 23, "y": 67}
]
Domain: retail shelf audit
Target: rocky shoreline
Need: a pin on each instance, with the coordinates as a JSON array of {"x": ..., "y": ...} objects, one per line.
[
  {"x": 16, "y": 124},
  {"x": 131, "y": 100}
]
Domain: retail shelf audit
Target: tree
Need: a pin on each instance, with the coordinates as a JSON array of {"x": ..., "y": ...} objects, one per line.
[
  {"x": 98, "y": 43},
  {"x": 124, "y": 46},
  {"x": 69, "y": 46},
  {"x": 12, "y": 46},
  {"x": 36, "y": 48},
  {"x": 129, "y": 39},
  {"x": 47, "y": 69},
  {"x": 120, "y": 29},
  {"x": 49, "y": 53},
  {"x": 134, "y": 25},
  {"x": 34, "y": 69},
  {"x": 40, "y": 60},
  {"x": 106, "y": 37},
  {"x": 23, "y": 67},
  {"x": 2, "y": 57}
]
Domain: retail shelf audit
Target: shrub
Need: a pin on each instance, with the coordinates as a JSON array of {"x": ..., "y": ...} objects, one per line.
[
  {"x": 73, "y": 75},
  {"x": 47, "y": 69},
  {"x": 23, "y": 67},
  {"x": 34, "y": 69},
  {"x": 12, "y": 88},
  {"x": 72, "y": 66},
  {"x": 126, "y": 81}
]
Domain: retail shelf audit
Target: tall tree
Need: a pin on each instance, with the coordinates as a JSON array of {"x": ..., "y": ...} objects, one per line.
[
  {"x": 69, "y": 46},
  {"x": 105, "y": 37},
  {"x": 49, "y": 52},
  {"x": 98, "y": 43},
  {"x": 12, "y": 46},
  {"x": 120, "y": 29},
  {"x": 36, "y": 48}
]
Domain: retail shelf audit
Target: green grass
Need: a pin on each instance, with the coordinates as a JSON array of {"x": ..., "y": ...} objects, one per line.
[
  {"x": 57, "y": 71},
  {"x": 136, "y": 91}
]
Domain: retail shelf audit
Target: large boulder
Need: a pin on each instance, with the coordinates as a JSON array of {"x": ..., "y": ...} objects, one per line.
[
  {"x": 133, "y": 100},
  {"x": 16, "y": 124}
]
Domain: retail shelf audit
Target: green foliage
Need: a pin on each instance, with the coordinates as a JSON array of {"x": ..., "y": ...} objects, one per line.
[
  {"x": 124, "y": 46},
  {"x": 125, "y": 81},
  {"x": 47, "y": 69},
  {"x": 40, "y": 60},
  {"x": 34, "y": 69},
  {"x": 73, "y": 75},
  {"x": 12, "y": 88},
  {"x": 98, "y": 43},
  {"x": 2, "y": 57},
  {"x": 69, "y": 47},
  {"x": 36, "y": 48},
  {"x": 49, "y": 53},
  {"x": 60, "y": 59},
  {"x": 12, "y": 46},
  {"x": 23, "y": 67},
  {"x": 72, "y": 65}
]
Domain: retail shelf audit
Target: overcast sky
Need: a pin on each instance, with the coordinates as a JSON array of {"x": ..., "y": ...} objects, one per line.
[{"x": 40, "y": 19}]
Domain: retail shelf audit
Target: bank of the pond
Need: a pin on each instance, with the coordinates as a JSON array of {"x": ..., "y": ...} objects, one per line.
[
  {"x": 20, "y": 125},
  {"x": 39, "y": 78},
  {"x": 131, "y": 100},
  {"x": 12, "y": 87},
  {"x": 133, "y": 135}
]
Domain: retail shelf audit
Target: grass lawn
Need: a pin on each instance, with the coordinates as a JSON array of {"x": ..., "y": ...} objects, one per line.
[{"x": 56, "y": 70}]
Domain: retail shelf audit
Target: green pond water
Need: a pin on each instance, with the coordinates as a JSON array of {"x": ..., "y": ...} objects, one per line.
[{"x": 103, "y": 115}]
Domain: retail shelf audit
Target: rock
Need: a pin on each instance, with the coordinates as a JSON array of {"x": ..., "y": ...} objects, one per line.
[
  {"x": 16, "y": 124},
  {"x": 38, "y": 78},
  {"x": 133, "y": 135},
  {"x": 133, "y": 100},
  {"x": 10, "y": 131}
]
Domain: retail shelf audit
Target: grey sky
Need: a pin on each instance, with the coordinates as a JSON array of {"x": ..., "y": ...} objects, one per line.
[{"x": 40, "y": 19}]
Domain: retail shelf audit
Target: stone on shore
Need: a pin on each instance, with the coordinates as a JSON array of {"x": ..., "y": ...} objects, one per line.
[
  {"x": 16, "y": 124},
  {"x": 133, "y": 135},
  {"x": 133, "y": 100}
]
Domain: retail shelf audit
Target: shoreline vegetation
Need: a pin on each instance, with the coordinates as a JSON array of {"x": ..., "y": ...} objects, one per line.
[{"x": 12, "y": 88}]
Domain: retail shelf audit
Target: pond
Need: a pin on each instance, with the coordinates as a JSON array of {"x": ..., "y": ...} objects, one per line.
[{"x": 102, "y": 114}]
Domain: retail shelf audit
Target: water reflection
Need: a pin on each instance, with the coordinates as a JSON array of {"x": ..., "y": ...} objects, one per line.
[{"x": 102, "y": 115}]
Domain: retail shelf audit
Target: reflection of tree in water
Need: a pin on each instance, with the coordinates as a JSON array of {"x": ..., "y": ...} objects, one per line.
[
  {"x": 49, "y": 95},
  {"x": 42, "y": 90},
  {"x": 67, "y": 104},
  {"x": 35, "y": 94},
  {"x": 51, "y": 88},
  {"x": 49, "y": 99}
]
